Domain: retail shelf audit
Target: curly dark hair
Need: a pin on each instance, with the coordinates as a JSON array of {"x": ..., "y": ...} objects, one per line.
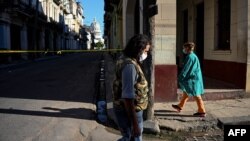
[{"x": 136, "y": 45}]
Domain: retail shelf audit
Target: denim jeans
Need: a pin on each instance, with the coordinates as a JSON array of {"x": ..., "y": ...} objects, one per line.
[{"x": 125, "y": 125}]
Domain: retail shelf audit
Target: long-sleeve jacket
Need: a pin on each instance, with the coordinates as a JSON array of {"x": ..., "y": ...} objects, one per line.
[{"x": 190, "y": 79}]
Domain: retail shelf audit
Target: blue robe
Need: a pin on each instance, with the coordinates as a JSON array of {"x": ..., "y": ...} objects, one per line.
[{"x": 190, "y": 79}]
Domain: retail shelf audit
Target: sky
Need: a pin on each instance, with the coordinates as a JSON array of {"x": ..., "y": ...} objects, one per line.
[{"x": 93, "y": 9}]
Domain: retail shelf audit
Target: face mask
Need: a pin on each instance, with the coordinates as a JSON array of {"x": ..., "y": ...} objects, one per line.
[
  {"x": 143, "y": 56},
  {"x": 184, "y": 51}
]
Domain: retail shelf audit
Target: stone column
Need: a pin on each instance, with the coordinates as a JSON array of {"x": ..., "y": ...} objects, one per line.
[
  {"x": 51, "y": 42},
  {"x": 58, "y": 42},
  {"x": 248, "y": 53},
  {"x": 62, "y": 39},
  {"x": 42, "y": 40},
  {"x": 5, "y": 35},
  {"x": 24, "y": 42},
  {"x": 165, "y": 52},
  {"x": 5, "y": 39}
]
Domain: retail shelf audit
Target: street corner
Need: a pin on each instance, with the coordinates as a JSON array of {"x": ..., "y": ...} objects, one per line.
[{"x": 242, "y": 120}]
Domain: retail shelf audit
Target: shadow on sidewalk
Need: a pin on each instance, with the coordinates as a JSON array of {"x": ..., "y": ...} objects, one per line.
[
  {"x": 78, "y": 113},
  {"x": 174, "y": 115}
]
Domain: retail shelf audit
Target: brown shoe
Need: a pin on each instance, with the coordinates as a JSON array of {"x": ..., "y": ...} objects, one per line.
[
  {"x": 199, "y": 114},
  {"x": 176, "y": 107}
]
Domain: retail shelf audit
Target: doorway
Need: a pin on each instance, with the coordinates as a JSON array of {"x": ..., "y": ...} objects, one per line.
[{"x": 200, "y": 32}]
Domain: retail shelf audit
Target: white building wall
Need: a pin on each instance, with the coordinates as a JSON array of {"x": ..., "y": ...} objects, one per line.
[
  {"x": 89, "y": 41},
  {"x": 248, "y": 49},
  {"x": 238, "y": 33},
  {"x": 242, "y": 14},
  {"x": 209, "y": 28},
  {"x": 237, "y": 55},
  {"x": 165, "y": 32}
]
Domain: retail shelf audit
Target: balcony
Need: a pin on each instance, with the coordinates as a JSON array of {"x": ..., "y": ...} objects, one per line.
[{"x": 21, "y": 8}]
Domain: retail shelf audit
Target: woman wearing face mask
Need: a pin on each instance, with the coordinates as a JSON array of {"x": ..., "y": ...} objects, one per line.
[
  {"x": 190, "y": 80},
  {"x": 130, "y": 88}
]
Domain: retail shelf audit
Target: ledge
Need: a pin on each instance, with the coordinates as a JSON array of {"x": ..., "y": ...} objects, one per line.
[{"x": 222, "y": 52}]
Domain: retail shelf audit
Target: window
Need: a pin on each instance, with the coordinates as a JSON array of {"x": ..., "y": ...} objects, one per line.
[{"x": 223, "y": 24}]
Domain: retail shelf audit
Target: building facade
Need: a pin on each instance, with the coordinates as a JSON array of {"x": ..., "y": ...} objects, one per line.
[
  {"x": 219, "y": 28},
  {"x": 95, "y": 30},
  {"x": 87, "y": 37},
  {"x": 36, "y": 26}
]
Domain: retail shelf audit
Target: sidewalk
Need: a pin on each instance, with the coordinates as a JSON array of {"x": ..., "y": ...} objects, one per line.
[{"x": 219, "y": 112}]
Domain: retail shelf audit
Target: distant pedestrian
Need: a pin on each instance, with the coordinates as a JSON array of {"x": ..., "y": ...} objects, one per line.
[
  {"x": 190, "y": 80},
  {"x": 130, "y": 88}
]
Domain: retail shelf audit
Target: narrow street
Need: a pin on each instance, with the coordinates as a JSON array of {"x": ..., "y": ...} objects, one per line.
[
  {"x": 46, "y": 100},
  {"x": 53, "y": 100},
  {"x": 57, "y": 67}
]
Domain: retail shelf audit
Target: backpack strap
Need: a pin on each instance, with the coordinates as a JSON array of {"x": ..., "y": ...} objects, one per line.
[{"x": 132, "y": 61}]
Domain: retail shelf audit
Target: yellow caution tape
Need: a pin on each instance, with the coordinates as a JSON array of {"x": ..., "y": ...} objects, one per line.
[{"x": 57, "y": 51}]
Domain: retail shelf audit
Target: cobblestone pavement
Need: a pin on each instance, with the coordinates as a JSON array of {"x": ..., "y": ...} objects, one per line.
[
  {"x": 166, "y": 135},
  {"x": 216, "y": 137},
  {"x": 205, "y": 138},
  {"x": 211, "y": 135}
]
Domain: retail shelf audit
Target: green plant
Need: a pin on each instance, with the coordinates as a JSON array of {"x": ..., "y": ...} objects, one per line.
[{"x": 99, "y": 45}]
